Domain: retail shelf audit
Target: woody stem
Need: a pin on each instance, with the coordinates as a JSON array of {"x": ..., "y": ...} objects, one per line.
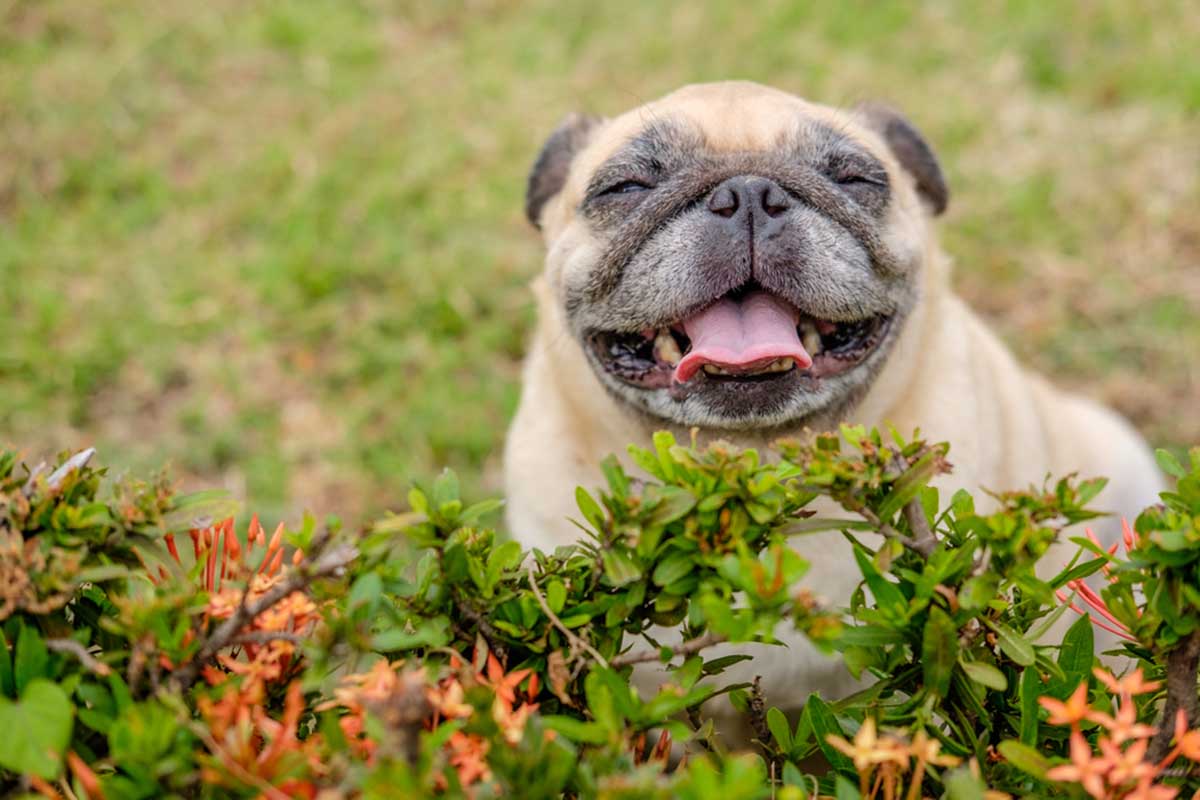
[{"x": 1182, "y": 663}]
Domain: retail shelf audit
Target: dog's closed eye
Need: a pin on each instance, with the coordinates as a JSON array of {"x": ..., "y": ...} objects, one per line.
[
  {"x": 850, "y": 178},
  {"x": 624, "y": 187}
]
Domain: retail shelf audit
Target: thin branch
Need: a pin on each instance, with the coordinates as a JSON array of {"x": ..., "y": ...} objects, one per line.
[
  {"x": 485, "y": 628},
  {"x": 758, "y": 721},
  {"x": 298, "y": 579},
  {"x": 74, "y": 648},
  {"x": 1182, "y": 664},
  {"x": 923, "y": 541},
  {"x": 891, "y": 533},
  {"x": 575, "y": 641},
  {"x": 690, "y": 647},
  {"x": 266, "y": 637}
]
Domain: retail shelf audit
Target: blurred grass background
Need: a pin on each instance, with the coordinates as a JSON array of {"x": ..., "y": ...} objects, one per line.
[{"x": 281, "y": 245}]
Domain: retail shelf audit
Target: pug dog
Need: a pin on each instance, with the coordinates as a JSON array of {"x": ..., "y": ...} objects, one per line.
[{"x": 735, "y": 259}]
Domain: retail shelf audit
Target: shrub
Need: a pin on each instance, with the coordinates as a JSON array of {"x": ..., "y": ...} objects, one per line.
[{"x": 149, "y": 649}]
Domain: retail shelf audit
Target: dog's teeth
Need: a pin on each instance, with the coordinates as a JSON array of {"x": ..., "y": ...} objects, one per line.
[
  {"x": 713, "y": 369},
  {"x": 810, "y": 337},
  {"x": 782, "y": 365},
  {"x": 666, "y": 348}
]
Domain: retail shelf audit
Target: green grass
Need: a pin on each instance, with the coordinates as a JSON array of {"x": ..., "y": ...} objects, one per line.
[{"x": 281, "y": 244}]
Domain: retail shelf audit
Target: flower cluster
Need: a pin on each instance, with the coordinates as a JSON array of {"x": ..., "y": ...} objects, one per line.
[
  {"x": 1104, "y": 618},
  {"x": 408, "y": 700},
  {"x": 1116, "y": 767},
  {"x": 887, "y": 764}
]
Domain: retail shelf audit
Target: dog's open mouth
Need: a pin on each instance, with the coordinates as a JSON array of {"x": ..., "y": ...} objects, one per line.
[{"x": 742, "y": 337}]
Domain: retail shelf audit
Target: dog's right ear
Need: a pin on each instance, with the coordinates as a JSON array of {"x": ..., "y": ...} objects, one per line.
[{"x": 549, "y": 172}]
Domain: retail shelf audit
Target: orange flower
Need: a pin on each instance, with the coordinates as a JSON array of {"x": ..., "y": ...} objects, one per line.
[
  {"x": 375, "y": 685},
  {"x": 868, "y": 750},
  {"x": 1187, "y": 743},
  {"x": 505, "y": 686},
  {"x": 248, "y": 746},
  {"x": 1130, "y": 685},
  {"x": 1085, "y": 768},
  {"x": 1072, "y": 712},
  {"x": 1128, "y": 764},
  {"x": 468, "y": 756},
  {"x": 1125, "y": 726},
  {"x": 928, "y": 749},
  {"x": 447, "y": 700},
  {"x": 1146, "y": 790}
]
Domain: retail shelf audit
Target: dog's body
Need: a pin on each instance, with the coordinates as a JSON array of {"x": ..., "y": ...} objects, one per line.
[{"x": 847, "y": 249}]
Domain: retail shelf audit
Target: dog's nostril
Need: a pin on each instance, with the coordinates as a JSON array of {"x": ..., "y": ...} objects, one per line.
[
  {"x": 775, "y": 200},
  {"x": 723, "y": 202}
]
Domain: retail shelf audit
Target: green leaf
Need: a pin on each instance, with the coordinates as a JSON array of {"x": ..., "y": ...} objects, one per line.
[
  {"x": 939, "y": 651},
  {"x": 985, "y": 675},
  {"x": 675, "y": 503},
  {"x": 663, "y": 442},
  {"x": 1030, "y": 688},
  {"x": 576, "y": 730},
  {"x": 718, "y": 665},
  {"x": 819, "y": 717},
  {"x": 504, "y": 556},
  {"x": 7, "y": 687},
  {"x": 1169, "y": 464},
  {"x": 614, "y": 475},
  {"x": 887, "y": 596},
  {"x": 32, "y": 660},
  {"x": 1013, "y": 644},
  {"x": 1075, "y": 657},
  {"x": 589, "y": 508},
  {"x": 445, "y": 490},
  {"x": 417, "y": 501},
  {"x": 619, "y": 568},
  {"x": 38, "y": 730},
  {"x": 556, "y": 595},
  {"x": 778, "y": 725},
  {"x": 909, "y": 485},
  {"x": 1024, "y": 758},
  {"x": 845, "y": 790},
  {"x": 672, "y": 568},
  {"x": 869, "y": 636},
  {"x": 474, "y": 513},
  {"x": 962, "y": 785},
  {"x": 430, "y": 633}
]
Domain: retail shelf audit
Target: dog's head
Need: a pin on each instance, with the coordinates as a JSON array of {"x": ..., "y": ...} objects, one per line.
[{"x": 733, "y": 257}]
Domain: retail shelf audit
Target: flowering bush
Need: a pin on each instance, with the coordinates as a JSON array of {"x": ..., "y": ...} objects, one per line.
[{"x": 150, "y": 648}]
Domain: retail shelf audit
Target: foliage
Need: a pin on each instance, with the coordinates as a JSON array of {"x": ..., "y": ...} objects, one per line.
[
  {"x": 147, "y": 649},
  {"x": 281, "y": 246}
]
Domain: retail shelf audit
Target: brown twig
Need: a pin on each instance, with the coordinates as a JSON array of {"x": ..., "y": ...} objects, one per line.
[
  {"x": 688, "y": 648},
  {"x": 266, "y": 637},
  {"x": 320, "y": 565},
  {"x": 577, "y": 644},
  {"x": 925, "y": 548},
  {"x": 74, "y": 648},
  {"x": 923, "y": 540},
  {"x": 485, "y": 628},
  {"x": 1182, "y": 664},
  {"x": 758, "y": 719}
]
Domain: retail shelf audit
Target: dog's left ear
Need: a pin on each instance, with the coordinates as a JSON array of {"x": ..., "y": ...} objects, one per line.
[
  {"x": 911, "y": 150},
  {"x": 549, "y": 172}
]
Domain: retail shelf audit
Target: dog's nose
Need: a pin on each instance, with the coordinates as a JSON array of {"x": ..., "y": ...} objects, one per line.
[{"x": 749, "y": 196}]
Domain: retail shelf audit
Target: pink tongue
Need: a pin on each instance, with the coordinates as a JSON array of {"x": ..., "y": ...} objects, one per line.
[{"x": 743, "y": 336}]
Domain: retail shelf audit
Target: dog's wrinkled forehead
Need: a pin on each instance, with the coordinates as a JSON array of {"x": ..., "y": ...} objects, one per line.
[{"x": 724, "y": 118}]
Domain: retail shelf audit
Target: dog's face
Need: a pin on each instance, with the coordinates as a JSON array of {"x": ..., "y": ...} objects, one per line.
[{"x": 733, "y": 257}]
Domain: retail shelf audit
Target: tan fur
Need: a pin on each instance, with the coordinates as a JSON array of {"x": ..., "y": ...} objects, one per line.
[{"x": 947, "y": 375}]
